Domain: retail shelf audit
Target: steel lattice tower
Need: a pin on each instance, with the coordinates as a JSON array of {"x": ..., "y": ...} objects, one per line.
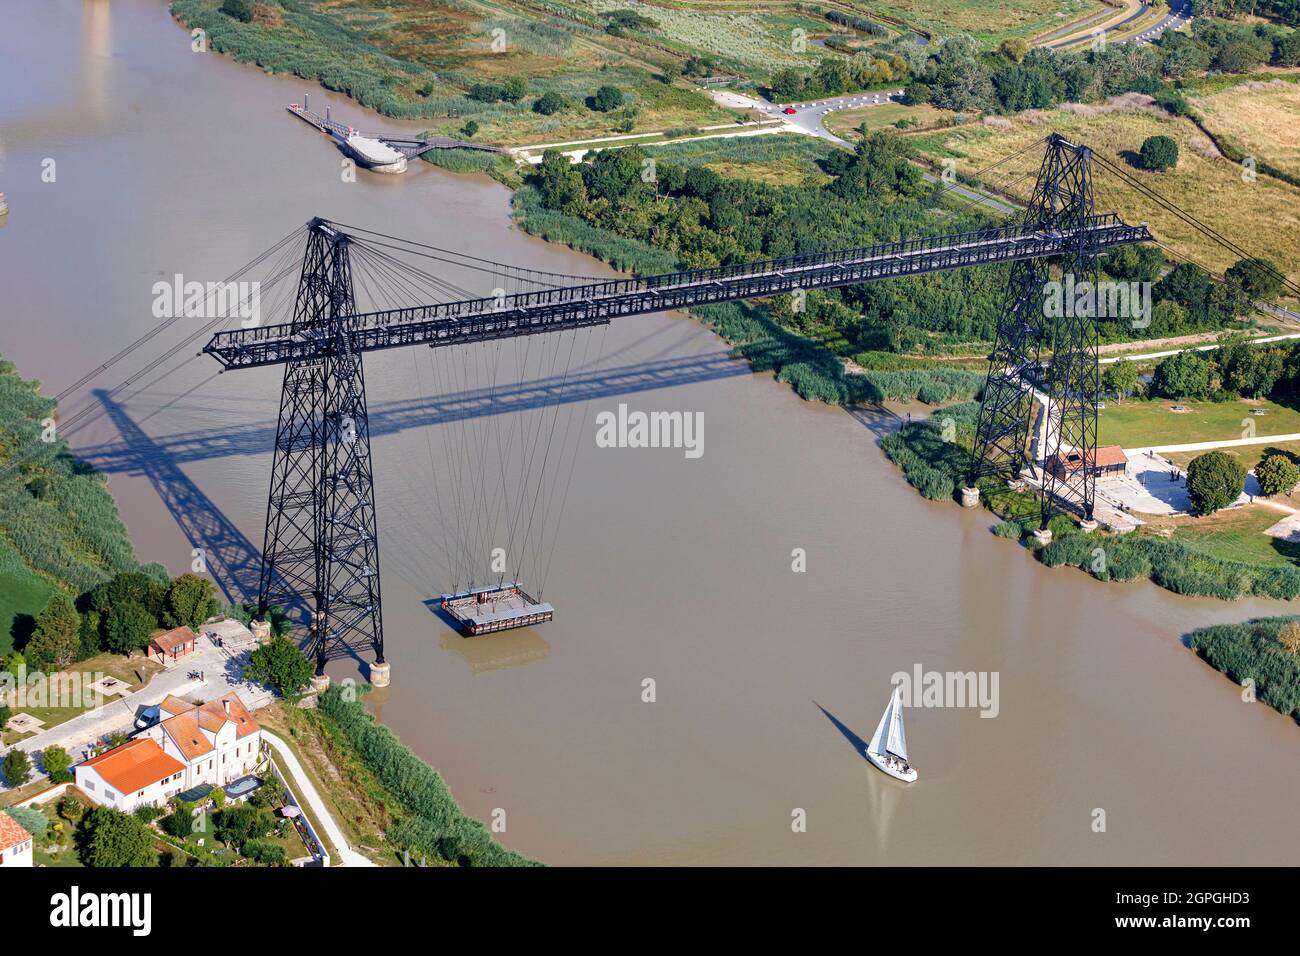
[
  {"x": 1061, "y": 399},
  {"x": 320, "y": 521}
]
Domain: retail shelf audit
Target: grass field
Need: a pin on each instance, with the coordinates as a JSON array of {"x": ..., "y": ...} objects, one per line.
[
  {"x": 1262, "y": 216},
  {"x": 135, "y": 671},
  {"x": 987, "y": 20},
  {"x": 1234, "y": 535},
  {"x": 1137, "y": 424},
  {"x": 780, "y": 159},
  {"x": 1260, "y": 117},
  {"x": 847, "y": 123}
]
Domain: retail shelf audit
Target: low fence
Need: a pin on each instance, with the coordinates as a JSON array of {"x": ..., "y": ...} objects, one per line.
[{"x": 301, "y": 821}]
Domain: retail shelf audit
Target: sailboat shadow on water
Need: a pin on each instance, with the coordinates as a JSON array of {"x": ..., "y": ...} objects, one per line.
[{"x": 887, "y": 748}]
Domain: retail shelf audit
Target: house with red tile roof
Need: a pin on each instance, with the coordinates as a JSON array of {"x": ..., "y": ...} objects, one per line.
[
  {"x": 15, "y": 843},
  {"x": 137, "y": 773},
  {"x": 218, "y": 741}
]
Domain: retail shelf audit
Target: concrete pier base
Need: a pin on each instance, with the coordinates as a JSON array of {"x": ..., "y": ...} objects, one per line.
[
  {"x": 320, "y": 683},
  {"x": 380, "y": 674},
  {"x": 970, "y": 497},
  {"x": 1043, "y": 536},
  {"x": 1089, "y": 524}
]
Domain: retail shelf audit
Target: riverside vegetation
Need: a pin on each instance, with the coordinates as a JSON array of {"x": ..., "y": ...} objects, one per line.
[{"x": 1265, "y": 651}]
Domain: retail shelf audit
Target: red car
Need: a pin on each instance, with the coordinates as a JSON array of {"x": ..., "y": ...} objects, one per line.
[{"x": 789, "y": 111}]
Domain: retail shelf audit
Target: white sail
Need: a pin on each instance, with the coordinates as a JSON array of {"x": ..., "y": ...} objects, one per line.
[
  {"x": 897, "y": 744},
  {"x": 880, "y": 738}
]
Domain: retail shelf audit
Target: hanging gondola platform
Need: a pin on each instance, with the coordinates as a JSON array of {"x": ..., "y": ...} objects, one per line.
[{"x": 493, "y": 608}]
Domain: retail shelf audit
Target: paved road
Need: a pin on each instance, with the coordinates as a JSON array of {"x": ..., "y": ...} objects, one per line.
[
  {"x": 1207, "y": 445},
  {"x": 1180, "y": 12},
  {"x": 306, "y": 790}
]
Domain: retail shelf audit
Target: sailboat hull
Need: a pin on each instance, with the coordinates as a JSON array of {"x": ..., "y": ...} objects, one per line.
[{"x": 907, "y": 776}]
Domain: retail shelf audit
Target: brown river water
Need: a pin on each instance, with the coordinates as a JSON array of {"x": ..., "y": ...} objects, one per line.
[{"x": 665, "y": 567}]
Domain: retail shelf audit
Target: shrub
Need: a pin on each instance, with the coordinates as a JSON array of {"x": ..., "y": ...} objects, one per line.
[
  {"x": 606, "y": 99},
  {"x": 1008, "y": 529},
  {"x": 147, "y": 813},
  {"x": 1214, "y": 480},
  {"x": 69, "y": 807},
  {"x": 241, "y": 10},
  {"x": 31, "y": 820},
  {"x": 1159, "y": 153},
  {"x": 265, "y": 852},
  {"x": 179, "y": 823},
  {"x": 549, "y": 103}
]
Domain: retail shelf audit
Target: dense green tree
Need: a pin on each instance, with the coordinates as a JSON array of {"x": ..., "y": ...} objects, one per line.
[
  {"x": 1214, "y": 481},
  {"x": 559, "y": 182},
  {"x": 90, "y": 639},
  {"x": 180, "y": 822},
  {"x": 1120, "y": 378},
  {"x": 17, "y": 767},
  {"x": 1277, "y": 474},
  {"x": 191, "y": 600},
  {"x": 470, "y": 129},
  {"x": 56, "y": 641},
  {"x": 549, "y": 103},
  {"x": 280, "y": 664},
  {"x": 1255, "y": 279},
  {"x": 110, "y": 838},
  {"x": 128, "y": 628},
  {"x": 607, "y": 99},
  {"x": 1249, "y": 370},
  {"x": 879, "y": 166},
  {"x": 916, "y": 94},
  {"x": 238, "y": 824},
  {"x": 1185, "y": 375},
  {"x": 1159, "y": 153},
  {"x": 57, "y": 763},
  {"x": 134, "y": 586},
  {"x": 1191, "y": 287}
]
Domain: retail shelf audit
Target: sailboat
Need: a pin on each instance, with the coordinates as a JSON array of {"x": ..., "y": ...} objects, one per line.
[{"x": 888, "y": 747}]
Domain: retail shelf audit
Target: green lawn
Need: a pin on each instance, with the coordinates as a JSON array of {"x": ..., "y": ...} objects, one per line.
[
  {"x": 1236, "y": 535},
  {"x": 136, "y": 671},
  {"x": 1137, "y": 424},
  {"x": 21, "y": 596},
  {"x": 846, "y": 123}
]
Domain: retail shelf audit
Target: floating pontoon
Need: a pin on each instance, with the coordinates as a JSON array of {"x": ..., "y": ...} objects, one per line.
[{"x": 487, "y": 610}]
